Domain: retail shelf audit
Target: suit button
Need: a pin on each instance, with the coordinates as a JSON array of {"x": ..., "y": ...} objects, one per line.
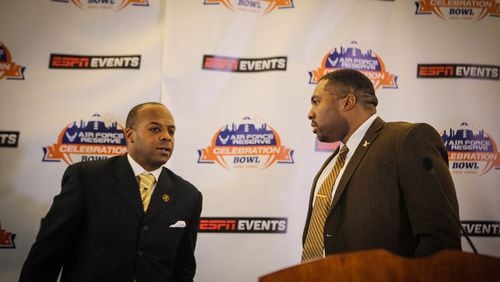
[
  {"x": 140, "y": 252},
  {"x": 145, "y": 227}
]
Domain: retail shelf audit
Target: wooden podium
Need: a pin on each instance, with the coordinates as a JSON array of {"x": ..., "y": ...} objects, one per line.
[{"x": 381, "y": 265}]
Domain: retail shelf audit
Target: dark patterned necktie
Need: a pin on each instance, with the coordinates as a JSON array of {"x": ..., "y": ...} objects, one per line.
[{"x": 314, "y": 244}]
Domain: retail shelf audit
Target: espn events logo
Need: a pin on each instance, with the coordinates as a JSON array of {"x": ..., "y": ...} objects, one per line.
[
  {"x": 8, "y": 68},
  {"x": 470, "y": 151},
  {"x": 458, "y": 71},
  {"x": 243, "y": 224},
  {"x": 7, "y": 239},
  {"x": 115, "y": 5},
  {"x": 353, "y": 57},
  {"x": 480, "y": 228},
  {"x": 252, "y": 6},
  {"x": 458, "y": 9},
  {"x": 231, "y": 64},
  {"x": 87, "y": 141},
  {"x": 61, "y": 61},
  {"x": 246, "y": 145},
  {"x": 9, "y": 138}
]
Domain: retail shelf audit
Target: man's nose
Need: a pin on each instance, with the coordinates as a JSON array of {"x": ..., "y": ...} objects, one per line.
[
  {"x": 310, "y": 114},
  {"x": 166, "y": 136}
]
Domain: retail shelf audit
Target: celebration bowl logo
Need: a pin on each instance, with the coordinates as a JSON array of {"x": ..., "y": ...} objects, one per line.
[
  {"x": 9, "y": 69},
  {"x": 353, "y": 57},
  {"x": 254, "y": 6},
  {"x": 246, "y": 145},
  {"x": 458, "y": 10},
  {"x": 105, "y": 4},
  {"x": 7, "y": 239},
  {"x": 87, "y": 141},
  {"x": 470, "y": 152}
]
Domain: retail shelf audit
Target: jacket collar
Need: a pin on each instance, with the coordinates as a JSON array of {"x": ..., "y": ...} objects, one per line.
[{"x": 128, "y": 189}]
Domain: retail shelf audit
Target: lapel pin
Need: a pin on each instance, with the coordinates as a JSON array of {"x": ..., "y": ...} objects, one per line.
[
  {"x": 165, "y": 198},
  {"x": 366, "y": 144}
]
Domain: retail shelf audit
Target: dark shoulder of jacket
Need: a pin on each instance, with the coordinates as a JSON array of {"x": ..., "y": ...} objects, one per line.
[
  {"x": 407, "y": 125},
  {"x": 403, "y": 126},
  {"x": 97, "y": 166},
  {"x": 404, "y": 129}
]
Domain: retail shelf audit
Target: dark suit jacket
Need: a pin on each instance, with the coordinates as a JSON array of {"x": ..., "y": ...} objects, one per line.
[
  {"x": 96, "y": 229},
  {"x": 387, "y": 198}
]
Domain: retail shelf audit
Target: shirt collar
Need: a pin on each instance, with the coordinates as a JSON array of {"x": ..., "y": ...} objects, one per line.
[{"x": 138, "y": 169}]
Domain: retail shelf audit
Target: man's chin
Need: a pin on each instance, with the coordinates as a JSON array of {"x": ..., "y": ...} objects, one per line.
[
  {"x": 324, "y": 139},
  {"x": 164, "y": 160},
  {"x": 161, "y": 161}
]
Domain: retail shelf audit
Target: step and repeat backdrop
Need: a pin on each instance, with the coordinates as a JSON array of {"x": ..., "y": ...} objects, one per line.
[{"x": 237, "y": 76}]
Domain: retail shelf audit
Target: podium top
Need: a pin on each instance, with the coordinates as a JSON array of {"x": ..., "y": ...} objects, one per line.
[{"x": 381, "y": 265}]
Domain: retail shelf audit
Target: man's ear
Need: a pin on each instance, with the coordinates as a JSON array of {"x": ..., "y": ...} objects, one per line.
[
  {"x": 129, "y": 135},
  {"x": 349, "y": 102}
]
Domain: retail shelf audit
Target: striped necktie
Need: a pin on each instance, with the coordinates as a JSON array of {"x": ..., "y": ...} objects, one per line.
[
  {"x": 314, "y": 243},
  {"x": 146, "y": 182}
]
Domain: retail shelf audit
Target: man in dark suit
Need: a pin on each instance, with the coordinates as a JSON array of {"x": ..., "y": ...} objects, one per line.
[
  {"x": 383, "y": 194},
  {"x": 101, "y": 228}
]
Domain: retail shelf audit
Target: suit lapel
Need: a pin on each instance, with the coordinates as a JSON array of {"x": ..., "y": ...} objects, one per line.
[
  {"x": 356, "y": 158},
  {"x": 163, "y": 195},
  {"x": 126, "y": 186}
]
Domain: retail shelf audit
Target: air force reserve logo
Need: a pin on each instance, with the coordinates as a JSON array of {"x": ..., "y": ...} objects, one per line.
[
  {"x": 474, "y": 10},
  {"x": 87, "y": 141},
  {"x": 246, "y": 145},
  {"x": 105, "y": 4},
  {"x": 470, "y": 151},
  {"x": 252, "y": 6},
  {"x": 353, "y": 57},
  {"x": 8, "y": 68}
]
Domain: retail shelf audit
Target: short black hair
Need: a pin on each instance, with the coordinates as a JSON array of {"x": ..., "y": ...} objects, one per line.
[
  {"x": 132, "y": 114},
  {"x": 349, "y": 81}
]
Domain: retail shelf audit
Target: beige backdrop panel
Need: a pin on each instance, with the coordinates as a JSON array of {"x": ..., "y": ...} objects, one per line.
[{"x": 203, "y": 101}]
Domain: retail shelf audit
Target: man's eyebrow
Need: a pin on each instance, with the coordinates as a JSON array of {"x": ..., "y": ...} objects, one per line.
[{"x": 160, "y": 124}]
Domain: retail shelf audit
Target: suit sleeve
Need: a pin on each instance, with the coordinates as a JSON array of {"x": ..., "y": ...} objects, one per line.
[
  {"x": 57, "y": 232},
  {"x": 185, "y": 263},
  {"x": 433, "y": 222}
]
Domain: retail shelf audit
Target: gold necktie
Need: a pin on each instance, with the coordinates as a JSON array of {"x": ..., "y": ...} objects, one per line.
[
  {"x": 314, "y": 244},
  {"x": 146, "y": 182}
]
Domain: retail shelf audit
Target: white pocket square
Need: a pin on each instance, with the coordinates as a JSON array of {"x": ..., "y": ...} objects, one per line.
[{"x": 178, "y": 224}]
